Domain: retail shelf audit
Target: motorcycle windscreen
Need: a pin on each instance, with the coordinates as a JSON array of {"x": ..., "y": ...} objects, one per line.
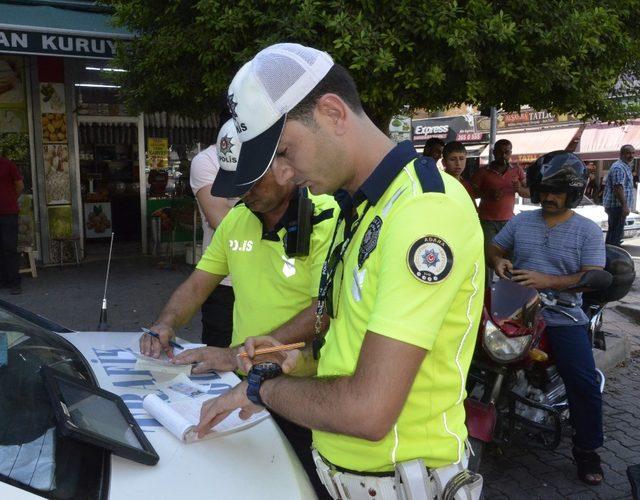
[{"x": 511, "y": 301}]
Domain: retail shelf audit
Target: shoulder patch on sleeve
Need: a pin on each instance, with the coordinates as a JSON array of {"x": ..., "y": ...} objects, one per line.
[
  {"x": 430, "y": 259},
  {"x": 369, "y": 240}
]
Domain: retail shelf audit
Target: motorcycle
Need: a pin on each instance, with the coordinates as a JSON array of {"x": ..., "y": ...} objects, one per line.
[{"x": 515, "y": 393}]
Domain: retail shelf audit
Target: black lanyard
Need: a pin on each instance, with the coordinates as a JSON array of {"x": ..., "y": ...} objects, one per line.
[{"x": 329, "y": 271}]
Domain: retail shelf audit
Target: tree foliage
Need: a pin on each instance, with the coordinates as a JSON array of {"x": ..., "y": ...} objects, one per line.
[{"x": 559, "y": 55}]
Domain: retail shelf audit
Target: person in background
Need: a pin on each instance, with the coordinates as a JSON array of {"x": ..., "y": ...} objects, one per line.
[
  {"x": 11, "y": 187},
  {"x": 618, "y": 199},
  {"x": 496, "y": 185},
  {"x": 454, "y": 160},
  {"x": 217, "y": 310},
  {"x": 433, "y": 148},
  {"x": 591, "y": 190}
]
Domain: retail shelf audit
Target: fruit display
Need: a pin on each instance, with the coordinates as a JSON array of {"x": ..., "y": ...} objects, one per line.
[
  {"x": 98, "y": 220},
  {"x": 54, "y": 127},
  {"x": 56, "y": 169},
  {"x": 60, "y": 221},
  {"x": 25, "y": 221}
]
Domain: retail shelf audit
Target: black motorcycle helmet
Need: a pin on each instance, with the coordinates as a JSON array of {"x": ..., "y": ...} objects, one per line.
[
  {"x": 622, "y": 269},
  {"x": 558, "y": 172}
]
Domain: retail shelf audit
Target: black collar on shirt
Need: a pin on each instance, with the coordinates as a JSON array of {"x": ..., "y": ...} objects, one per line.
[
  {"x": 382, "y": 176},
  {"x": 290, "y": 214}
]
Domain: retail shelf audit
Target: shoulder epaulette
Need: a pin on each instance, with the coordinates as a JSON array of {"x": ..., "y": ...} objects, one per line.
[{"x": 428, "y": 174}]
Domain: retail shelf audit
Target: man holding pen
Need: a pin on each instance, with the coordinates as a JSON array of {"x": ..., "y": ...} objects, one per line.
[
  {"x": 402, "y": 285},
  {"x": 275, "y": 283}
]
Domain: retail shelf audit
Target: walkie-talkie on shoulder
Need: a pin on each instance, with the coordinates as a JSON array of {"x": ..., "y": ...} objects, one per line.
[{"x": 298, "y": 238}]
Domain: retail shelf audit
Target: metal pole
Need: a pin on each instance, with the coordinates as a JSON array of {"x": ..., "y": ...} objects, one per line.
[{"x": 493, "y": 131}]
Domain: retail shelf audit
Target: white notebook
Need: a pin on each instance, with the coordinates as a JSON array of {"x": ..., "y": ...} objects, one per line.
[{"x": 181, "y": 413}]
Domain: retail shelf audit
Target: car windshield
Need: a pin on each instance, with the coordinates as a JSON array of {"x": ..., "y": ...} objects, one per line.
[{"x": 33, "y": 455}]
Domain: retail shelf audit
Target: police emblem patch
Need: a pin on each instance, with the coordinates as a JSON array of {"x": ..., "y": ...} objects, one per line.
[
  {"x": 225, "y": 144},
  {"x": 430, "y": 259},
  {"x": 369, "y": 240},
  {"x": 232, "y": 106}
]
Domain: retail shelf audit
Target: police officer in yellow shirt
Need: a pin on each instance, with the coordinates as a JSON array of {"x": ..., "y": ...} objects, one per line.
[
  {"x": 402, "y": 285},
  {"x": 274, "y": 244}
]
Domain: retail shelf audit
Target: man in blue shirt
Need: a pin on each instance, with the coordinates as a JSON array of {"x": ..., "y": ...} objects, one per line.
[
  {"x": 551, "y": 249},
  {"x": 618, "y": 194}
]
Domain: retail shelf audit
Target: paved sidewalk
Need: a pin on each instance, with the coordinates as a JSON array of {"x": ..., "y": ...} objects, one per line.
[
  {"x": 72, "y": 296},
  {"x": 518, "y": 473}
]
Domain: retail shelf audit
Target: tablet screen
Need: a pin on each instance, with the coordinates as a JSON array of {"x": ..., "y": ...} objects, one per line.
[{"x": 96, "y": 414}]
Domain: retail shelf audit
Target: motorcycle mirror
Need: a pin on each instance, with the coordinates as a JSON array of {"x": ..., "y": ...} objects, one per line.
[{"x": 596, "y": 279}]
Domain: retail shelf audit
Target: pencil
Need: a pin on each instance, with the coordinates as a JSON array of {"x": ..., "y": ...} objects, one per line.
[{"x": 276, "y": 348}]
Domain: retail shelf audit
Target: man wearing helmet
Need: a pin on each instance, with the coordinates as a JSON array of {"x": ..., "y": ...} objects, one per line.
[{"x": 551, "y": 249}]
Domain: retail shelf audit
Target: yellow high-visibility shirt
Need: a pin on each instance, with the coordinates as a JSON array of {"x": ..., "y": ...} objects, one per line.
[
  {"x": 414, "y": 272},
  {"x": 270, "y": 288}
]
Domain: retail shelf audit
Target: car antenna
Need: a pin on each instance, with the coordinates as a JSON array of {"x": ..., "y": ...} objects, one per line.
[{"x": 102, "y": 324}]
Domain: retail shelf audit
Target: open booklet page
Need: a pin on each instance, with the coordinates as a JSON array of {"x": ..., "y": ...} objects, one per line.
[{"x": 180, "y": 414}]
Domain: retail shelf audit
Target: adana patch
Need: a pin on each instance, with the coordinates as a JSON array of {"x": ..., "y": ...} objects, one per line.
[
  {"x": 369, "y": 240},
  {"x": 430, "y": 259}
]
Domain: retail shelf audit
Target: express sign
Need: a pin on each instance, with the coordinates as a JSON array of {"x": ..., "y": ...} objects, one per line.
[
  {"x": 446, "y": 128},
  {"x": 30, "y": 42}
]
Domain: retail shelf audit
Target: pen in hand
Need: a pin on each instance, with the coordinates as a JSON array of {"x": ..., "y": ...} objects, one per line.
[{"x": 155, "y": 335}]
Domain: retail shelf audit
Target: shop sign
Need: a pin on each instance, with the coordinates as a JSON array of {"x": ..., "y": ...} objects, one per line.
[
  {"x": 471, "y": 137},
  {"x": 524, "y": 159},
  {"x": 447, "y": 128},
  {"x": 158, "y": 152},
  {"x": 529, "y": 118},
  {"x": 32, "y": 42}
]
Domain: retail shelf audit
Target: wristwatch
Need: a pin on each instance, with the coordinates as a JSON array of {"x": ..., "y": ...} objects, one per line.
[{"x": 258, "y": 374}]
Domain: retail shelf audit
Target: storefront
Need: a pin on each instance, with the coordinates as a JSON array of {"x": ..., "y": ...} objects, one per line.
[
  {"x": 452, "y": 128},
  {"x": 599, "y": 148},
  {"x": 532, "y": 133},
  {"x": 528, "y": 145},
  {"x": 85, "y": 159}
]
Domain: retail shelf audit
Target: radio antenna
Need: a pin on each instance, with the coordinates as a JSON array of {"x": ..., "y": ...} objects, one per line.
[{"x": 102, "y": 324}]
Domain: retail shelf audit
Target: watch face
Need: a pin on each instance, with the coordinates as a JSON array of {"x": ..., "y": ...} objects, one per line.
[{"x": 268, "y": 367}]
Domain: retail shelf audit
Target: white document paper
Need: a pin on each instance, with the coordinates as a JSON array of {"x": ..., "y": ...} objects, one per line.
[
  {"x": 162, "y": 364},
  {"x": 181, "y": 414}
]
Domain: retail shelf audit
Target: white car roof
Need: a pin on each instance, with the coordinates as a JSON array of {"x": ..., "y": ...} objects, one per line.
[{"x": 255, "y": 463}]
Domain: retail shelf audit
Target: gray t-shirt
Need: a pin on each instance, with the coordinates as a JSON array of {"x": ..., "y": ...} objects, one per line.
[{"x": 560, "y": 251}]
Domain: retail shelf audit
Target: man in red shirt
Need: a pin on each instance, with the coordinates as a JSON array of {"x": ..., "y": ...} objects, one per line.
[
  {"x": 496, "y": 185},
  {"x": 11, "y": 186}
]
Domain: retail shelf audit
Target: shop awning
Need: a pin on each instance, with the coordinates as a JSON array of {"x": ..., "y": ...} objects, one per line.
[
  {"x": 603, "y": 142},
  {"x": 528, "y": 145},
  {"x": 72, "y": 29}
]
